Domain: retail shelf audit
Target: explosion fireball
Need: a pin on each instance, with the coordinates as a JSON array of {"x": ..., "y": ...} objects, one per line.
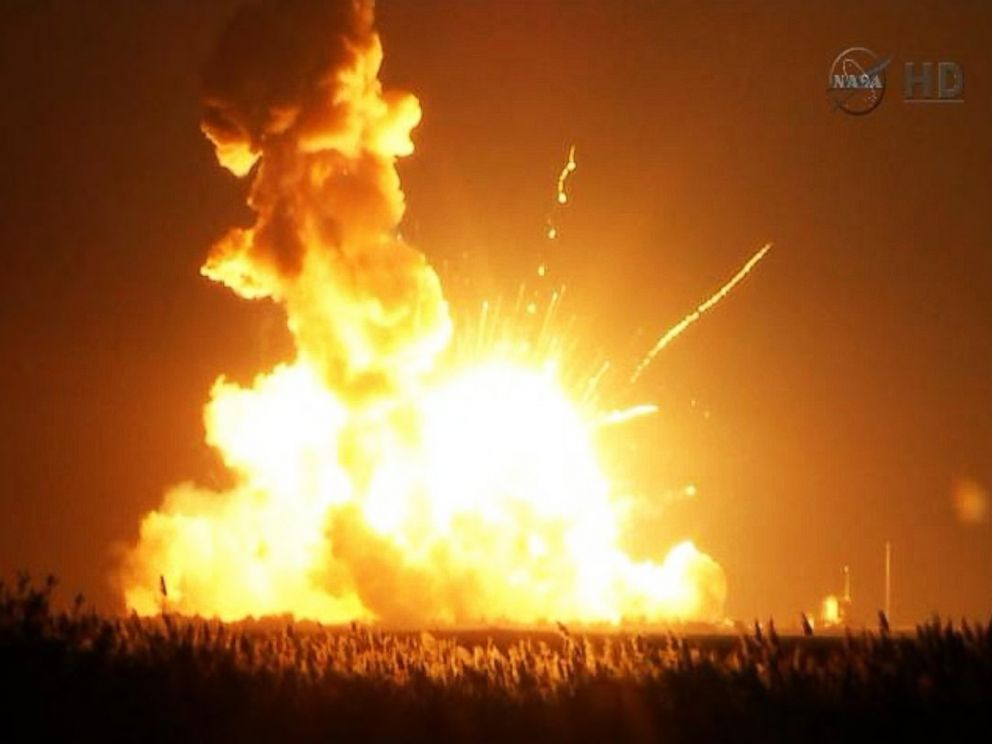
[{"x": 379, "y": 476}]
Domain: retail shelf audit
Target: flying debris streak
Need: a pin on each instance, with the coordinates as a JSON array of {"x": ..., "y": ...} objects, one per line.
[
  {"x": 567, "y": 170},
  {"x": 561, "y": 193},
  {"x": 623, "y": 415},
  {"x": 676, "y": 330}
]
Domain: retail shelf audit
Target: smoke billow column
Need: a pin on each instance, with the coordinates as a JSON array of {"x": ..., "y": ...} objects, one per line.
[{"x": 293, "y": 102}]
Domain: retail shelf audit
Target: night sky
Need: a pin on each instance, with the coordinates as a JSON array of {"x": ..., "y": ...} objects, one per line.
[{"x": 832, "y": 403}]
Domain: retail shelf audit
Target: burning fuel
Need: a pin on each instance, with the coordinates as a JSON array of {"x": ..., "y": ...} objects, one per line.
[
  {"x": 379, "y": 476},
  {"x": 679, "y": 328}
]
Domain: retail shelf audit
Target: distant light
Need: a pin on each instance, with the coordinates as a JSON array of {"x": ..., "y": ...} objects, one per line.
[
  {"x": 830, "y": 610},
  {"x": 970, "y": 501}
]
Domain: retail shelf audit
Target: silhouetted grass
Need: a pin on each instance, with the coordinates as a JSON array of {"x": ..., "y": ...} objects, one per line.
[{"x": 76, "y": 674}]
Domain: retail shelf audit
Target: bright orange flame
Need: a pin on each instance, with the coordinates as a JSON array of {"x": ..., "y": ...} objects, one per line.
[
  {"x": 483, "y": 492},
  {"x": 373, "y": 481}
]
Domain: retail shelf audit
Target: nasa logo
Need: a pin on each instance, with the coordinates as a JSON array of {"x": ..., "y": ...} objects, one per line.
[{"x": 856, "y": 82}]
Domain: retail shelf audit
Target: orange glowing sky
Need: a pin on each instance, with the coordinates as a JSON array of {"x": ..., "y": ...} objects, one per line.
[{"x": 839, "y": 399}]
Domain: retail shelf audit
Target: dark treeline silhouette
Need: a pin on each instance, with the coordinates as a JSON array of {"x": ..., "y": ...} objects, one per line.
[{"x": 76, "y": 675}]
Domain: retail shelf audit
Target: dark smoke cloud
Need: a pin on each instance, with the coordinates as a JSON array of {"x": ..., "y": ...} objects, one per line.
[{"x": 293, "y": 99}]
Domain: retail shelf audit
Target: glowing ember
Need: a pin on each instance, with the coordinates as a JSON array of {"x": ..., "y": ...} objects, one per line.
[{"x": 377, "y": 478}]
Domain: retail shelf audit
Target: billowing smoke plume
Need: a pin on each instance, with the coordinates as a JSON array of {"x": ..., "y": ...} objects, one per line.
[
  {"x": 366, "y": 488},
  {"x": 294, "y": 102}
]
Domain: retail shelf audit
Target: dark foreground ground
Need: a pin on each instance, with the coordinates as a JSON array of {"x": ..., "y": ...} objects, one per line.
[{"x": 77, "y": 675}]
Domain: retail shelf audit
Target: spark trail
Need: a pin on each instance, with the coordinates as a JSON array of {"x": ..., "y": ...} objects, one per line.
[
  {"x": 566, "y": 171},
  {"x": 676, "y": 330},
  {"x": 561, "y": 192}
]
